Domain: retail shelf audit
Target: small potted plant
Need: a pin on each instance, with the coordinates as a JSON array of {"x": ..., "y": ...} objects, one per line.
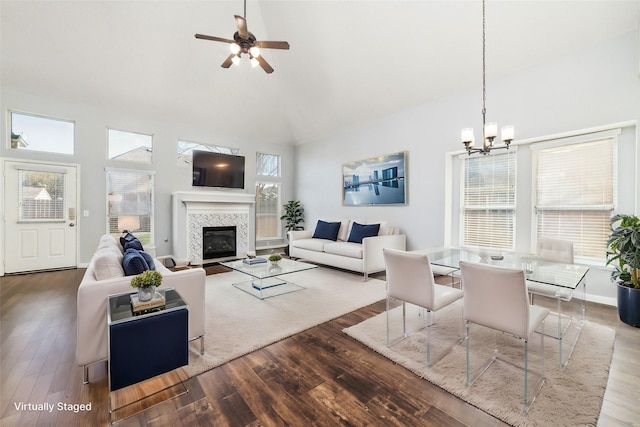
[
  {"x": 624, "y": 252},
  {"x": 146, "y": 282},
  {"x": 275, "y": 259}
]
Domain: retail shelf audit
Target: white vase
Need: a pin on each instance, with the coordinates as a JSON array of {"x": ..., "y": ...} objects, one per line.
[{"x": 146, "y": 293}]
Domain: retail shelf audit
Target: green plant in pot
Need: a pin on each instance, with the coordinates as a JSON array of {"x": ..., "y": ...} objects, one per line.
[
  {"x": 146, "y": 283},
  {"x": 275, "y": 259},
  {"x": 293, "y": 217},
  {"x": 624, "y": 254}
]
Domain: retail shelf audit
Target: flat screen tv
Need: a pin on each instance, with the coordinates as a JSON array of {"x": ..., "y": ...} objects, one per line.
[{"x": 217, "y": 170}]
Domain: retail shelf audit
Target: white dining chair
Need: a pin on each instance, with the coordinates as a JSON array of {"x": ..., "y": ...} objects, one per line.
[
  {"x": 560, "y": 251},
  {"x": 496, "y": 298},
  {"x": 555, "y": 250},
  {"x": 410, "y": 280}
]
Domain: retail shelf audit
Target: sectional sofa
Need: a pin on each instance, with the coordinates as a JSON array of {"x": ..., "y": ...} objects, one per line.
[{"x": 106, "y": 276}]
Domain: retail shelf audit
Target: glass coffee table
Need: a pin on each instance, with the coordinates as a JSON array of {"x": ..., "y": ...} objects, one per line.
[{"x": 265, "y": 277}]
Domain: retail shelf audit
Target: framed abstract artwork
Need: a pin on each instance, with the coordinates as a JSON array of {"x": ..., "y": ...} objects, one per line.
[{"x": 375, "y": 181}]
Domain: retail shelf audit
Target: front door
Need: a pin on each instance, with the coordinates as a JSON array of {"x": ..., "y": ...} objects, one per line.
[{"x": 40, "y": 216}]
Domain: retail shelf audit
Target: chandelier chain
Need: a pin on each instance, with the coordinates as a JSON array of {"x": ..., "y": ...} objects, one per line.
[
  {"x": 484, "y": 84},
  {"x": 489, "y": 131}
]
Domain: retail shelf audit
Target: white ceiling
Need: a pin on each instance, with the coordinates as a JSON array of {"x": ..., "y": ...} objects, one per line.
[{"x": 350, "y": 61}]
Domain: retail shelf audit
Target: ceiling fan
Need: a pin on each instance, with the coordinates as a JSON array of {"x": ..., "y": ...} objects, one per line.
[{"x": 245, "y": 42}]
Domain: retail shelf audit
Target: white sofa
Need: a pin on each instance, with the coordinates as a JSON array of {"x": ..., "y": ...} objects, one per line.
[
  {"x": 365, "y": 257},
  {"x": 105, "y": 276}
]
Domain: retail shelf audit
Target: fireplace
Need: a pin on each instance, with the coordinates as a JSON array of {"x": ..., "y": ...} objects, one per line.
[{"x": 218, "y": 242}]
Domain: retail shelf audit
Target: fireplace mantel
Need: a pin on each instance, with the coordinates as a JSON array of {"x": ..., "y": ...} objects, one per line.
[
  {"x": 194, "y": 209},
  {"x": 188, "y": 197}
]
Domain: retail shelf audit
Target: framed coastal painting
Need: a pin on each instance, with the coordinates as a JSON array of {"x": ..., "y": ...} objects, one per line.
[{"x": 375, "y": 181}]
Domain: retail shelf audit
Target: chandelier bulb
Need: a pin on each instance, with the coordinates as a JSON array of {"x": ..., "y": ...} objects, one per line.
[{"x": 508, "y": 133}]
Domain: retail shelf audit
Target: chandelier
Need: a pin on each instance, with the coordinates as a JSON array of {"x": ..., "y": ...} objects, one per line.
[{"x": 489, "y": 130}]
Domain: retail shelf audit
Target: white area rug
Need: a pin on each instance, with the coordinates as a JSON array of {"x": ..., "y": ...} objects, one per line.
[
  {"x": 570, "y": 397},
  {"x": 239, "y": 323}
]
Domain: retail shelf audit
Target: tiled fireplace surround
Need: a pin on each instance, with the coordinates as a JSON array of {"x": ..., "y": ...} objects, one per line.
[{"x": 193, "y": 210}]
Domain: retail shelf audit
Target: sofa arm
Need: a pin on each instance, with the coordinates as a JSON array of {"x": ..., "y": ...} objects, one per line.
[
  {"x": 92, "y": 308},
  {"x": 372, "y": 256},
  {"x": 190, "y": 284},
  {"x": 299, "y": 234}
]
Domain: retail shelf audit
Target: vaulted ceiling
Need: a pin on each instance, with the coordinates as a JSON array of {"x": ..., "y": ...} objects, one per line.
[{"x": 349, "y": 62}]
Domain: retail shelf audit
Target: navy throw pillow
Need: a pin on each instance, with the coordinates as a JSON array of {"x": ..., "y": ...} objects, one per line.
[
  {"x": 133, "y": 262},
  {"x": 326, "y": 230},
  {"x": 360, "y": 231},
  {"x": 130, "y": 241},
  {"x": 149, "y": 260},
  {"x": 125, "y": 238},
  {"x": 133, "y": 244}
]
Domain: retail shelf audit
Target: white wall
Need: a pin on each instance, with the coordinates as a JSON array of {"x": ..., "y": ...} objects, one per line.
[
  {"x": 592, "y": 88},
  {"x": 91, "y": 124}
]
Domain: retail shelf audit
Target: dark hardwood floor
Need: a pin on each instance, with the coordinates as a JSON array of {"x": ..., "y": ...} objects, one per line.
[{"x": 319, "y": 377}]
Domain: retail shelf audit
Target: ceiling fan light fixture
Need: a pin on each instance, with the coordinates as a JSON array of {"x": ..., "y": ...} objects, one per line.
[
  {"x": 234, "y": 48},
  {"x": 254, "y": 51},
  {"x": 254, "y": 62},
  {"x": 235, "y": 60}
]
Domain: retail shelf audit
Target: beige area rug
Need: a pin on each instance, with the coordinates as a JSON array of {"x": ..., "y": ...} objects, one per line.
[
  {"x": 570, "y": 397},
  {"x": 239, "y": 323}
]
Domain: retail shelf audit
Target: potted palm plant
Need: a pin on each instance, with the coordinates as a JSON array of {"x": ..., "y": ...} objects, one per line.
[
  {"x": 624, "y": 253},
  {"x": 293, "y": 217}
]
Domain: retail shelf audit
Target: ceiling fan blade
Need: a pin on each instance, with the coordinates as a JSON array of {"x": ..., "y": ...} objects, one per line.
[
  {"x": 272, "y": 45},
  {"x": 241, "y": 24},
  {"x": 215, "y": 39},
  {"x": 227, "y": 62},
  {"x": 264, "y": 64}
]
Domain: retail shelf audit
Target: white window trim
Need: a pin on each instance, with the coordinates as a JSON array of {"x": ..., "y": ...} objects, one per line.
[
  {"x": 153, "y": 197},
  {"x": 42, "y": 116},
  {"x": 514, "y": 208},
  {"x": 109, "y": 128},
  {"x": 278, "y": 213},
  {"x": 584, "y": 138}
]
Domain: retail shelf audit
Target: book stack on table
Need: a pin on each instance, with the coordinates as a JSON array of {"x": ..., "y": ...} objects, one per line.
[
  {"x": 252, "y": 261},
  {"x": 154, "y": 303}
]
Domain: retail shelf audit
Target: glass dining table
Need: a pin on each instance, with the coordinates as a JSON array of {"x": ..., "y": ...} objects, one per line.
[{"x": 554, "y": 280}]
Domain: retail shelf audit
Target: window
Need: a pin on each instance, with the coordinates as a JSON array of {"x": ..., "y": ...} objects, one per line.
[
  {"x": 185, "y": 148},
  {"x": 268, "y": 224},
  {"x": 267, "y": 165},
  {"x": 130, "y": 146},
  {"x": 41, "y": 196},
  {"x": 37, "y": 133},
  {"x": 130, "y": 203},
  {"x": 488, "y": 200},
  {"x": 575, "y": 194}
]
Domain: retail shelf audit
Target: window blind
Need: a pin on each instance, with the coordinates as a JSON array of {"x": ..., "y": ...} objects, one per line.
[
  {"x": 130, "y": 193},
  {"x": 488, "y": 204},
  {"x": 575, "y": 194},
  {"x": 268, "y": 222}
]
